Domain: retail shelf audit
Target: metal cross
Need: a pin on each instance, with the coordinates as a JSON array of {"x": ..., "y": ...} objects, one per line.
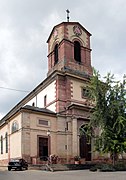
[{"x": 68, "y": 15}]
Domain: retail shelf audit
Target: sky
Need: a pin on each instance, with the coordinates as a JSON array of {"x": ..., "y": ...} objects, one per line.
[{"x": 25, "y": 26}]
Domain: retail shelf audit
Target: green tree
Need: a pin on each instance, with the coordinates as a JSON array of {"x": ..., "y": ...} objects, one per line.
[{"x": 108, "y": 120}]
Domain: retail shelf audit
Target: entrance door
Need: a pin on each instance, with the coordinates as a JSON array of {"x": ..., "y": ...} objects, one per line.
[
  {"x": 85, "y": 148},
  {"x": 43, "y": 147}
]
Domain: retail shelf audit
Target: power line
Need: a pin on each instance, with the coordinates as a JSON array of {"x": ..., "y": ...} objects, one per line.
[{"x": 11, "y": 89}]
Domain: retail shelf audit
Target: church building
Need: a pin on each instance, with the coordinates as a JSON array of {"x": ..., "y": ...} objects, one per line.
[{"x": 48, "y": 119}]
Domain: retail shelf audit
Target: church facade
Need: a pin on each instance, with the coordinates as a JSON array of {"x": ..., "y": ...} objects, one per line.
[{"x": 48, "y": 119}]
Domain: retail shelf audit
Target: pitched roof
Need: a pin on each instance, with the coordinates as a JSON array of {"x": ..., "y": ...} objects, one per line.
[
  {"x": 31, "y": 109},
  {"x": 67, "y": 23},
  {"x": 37, "y": 109}
]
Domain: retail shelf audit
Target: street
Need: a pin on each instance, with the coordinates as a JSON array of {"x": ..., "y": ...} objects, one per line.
[{"x": 67, "y": 175}]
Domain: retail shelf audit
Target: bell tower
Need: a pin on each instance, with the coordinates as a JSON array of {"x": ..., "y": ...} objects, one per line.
[
  {"x": 69, "y": 49},
  {"x": 69, "y": 66}
]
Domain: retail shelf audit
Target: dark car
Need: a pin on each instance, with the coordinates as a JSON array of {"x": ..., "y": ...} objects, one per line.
[{"x": 17, "y": 164}]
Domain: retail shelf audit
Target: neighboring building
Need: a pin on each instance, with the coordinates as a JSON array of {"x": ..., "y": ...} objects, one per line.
[{"x": 48, "y": 119}]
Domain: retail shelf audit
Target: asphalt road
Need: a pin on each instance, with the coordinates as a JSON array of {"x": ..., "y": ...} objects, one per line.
[{"x": 62, "y": 175}]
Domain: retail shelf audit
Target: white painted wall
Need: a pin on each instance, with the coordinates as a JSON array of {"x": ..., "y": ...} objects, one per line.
[
  {"x": 14, "y": 139},
  {"x": 50, "y": 92},
  {"x": 15, "y": 145},
  {"x": 2, "y": 133}
]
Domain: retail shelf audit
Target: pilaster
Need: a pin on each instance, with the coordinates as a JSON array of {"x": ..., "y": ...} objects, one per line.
[{"x": 75, "y": 138}]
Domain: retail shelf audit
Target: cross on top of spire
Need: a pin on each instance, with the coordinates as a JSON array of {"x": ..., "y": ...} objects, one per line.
[{"x": 68, "y": 15}]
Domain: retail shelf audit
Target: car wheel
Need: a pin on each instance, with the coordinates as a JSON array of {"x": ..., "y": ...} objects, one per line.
[
  {"x": 20, "y": 168},
  {"x": 9, "y": 169}
]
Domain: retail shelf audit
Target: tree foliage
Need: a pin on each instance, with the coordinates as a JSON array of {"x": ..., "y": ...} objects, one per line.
[{"x": 108, "y": 120}]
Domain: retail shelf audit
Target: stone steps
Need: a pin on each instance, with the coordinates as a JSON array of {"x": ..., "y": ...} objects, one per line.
[
  {"x": 37, "y": 167},
  {"x": 57, "y": 167},
  {"x": 60, "y": 167}
]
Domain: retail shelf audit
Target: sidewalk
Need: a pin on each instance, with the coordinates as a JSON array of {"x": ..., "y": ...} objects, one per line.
[{"x": 3, "y": 168}]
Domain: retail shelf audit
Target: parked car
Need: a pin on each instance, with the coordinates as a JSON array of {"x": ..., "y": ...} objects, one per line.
[{"x": 19, "y": 164}]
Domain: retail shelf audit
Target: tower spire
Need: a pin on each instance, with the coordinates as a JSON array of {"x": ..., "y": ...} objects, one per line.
[{"x": 68, "y": 15}]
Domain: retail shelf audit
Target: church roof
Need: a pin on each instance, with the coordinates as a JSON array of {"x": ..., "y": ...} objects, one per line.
[
  {"x": 21, "y": 104},
  {"x": 67, "y": 23},
  {"x": 28, "y": 108},
  {"x": 37, "y": 109}
]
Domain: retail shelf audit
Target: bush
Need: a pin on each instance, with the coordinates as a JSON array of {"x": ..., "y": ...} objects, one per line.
[
  {"x": 107, "y": 168},
  {"x": 77, "y": 158},
  {"x": 103, "y": 168},
  {"x": 53, "y": 159},
  {"x": 93, "y": 169},
  {"x": 120, "y": 166}
]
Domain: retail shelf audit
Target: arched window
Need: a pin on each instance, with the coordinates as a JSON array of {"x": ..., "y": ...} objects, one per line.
[
  {"x": 6, "y": 142},
  {"x": 56, "y": 54},
  {"x": 1, "y": 139},
  {"x": 77, "y": 51},
  {"x": 14, "y": 126}
]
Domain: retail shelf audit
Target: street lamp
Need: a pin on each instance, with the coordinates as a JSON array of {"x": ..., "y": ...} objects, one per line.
[{"x": 48, "y": 133}]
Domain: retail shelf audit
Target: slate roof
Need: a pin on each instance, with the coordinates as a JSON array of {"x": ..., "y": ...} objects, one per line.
[
  {"x": 37, "y": 109},
  {"x": 30, "y": 108}
]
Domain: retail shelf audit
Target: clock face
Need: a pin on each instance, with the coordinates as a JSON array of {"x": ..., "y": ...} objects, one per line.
[{"x": 77, "y": 30}]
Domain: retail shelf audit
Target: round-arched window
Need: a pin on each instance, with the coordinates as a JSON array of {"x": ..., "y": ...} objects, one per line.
[
  {"x": 15, "y": 126},
  {"x": 56, "y": 54},
  {"x": 77, "y": 51}
]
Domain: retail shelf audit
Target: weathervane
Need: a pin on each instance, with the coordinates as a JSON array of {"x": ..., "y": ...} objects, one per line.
[{"x": 68, "y": 15}]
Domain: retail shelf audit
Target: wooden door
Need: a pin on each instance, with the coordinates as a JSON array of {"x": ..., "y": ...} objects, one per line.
[
  {"x": 43, "y": 147},
  {"x": 85, "y": 148}
]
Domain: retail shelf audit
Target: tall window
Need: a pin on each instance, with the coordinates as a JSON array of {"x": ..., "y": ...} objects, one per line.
[
  {"x": 56, "y": 54},
  {"x": 1, "y": 139},
  {"x": 77, "y": 51},
  {"x": 6, "y": 142},
  {"x": 14, "y": 126},
  {"x": 45, "y": 100}
]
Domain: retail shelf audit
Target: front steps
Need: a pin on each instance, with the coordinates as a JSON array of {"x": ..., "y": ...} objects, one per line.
[
  {"x": 37, "y": 167},
  {"x": 61, "y": 167},
  {"x": 57, "y": 167}
]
